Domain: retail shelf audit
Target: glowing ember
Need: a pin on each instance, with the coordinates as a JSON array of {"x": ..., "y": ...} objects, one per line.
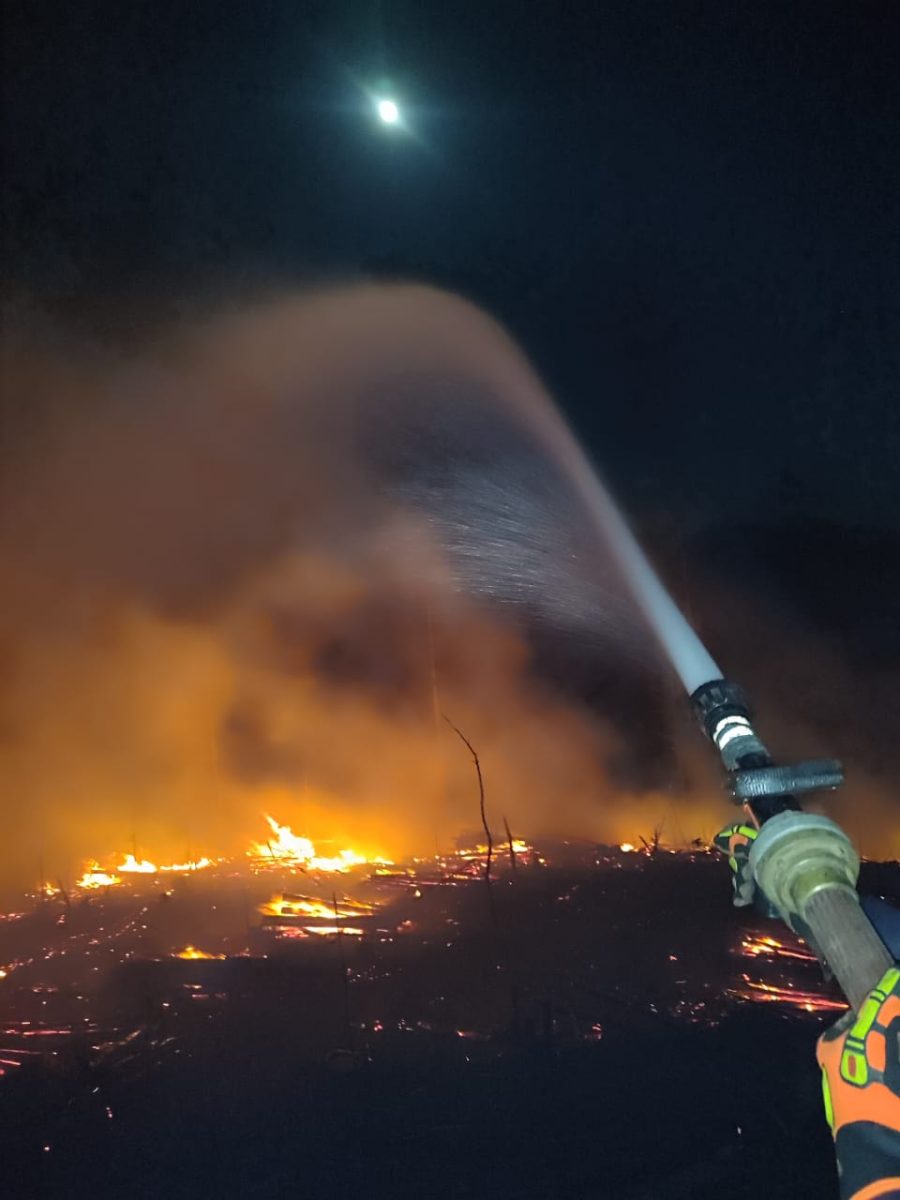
[
  {"x": 290, "y": 850},
  {"x": 93, "y": 877},
  {"x": 770, "y": 947},
  {"x": 325, "y": 930},
  {"x": 192, "y": 952},
  {"x": 776, "y": 994},
  {"x": 499, "y": 848},
  {"x": 628, "y": 847}
]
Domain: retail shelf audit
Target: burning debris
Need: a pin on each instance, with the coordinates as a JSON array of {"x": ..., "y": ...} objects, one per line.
[
  {"x": 93, "y": 878},
  {"x": 286, "y": 905},
  {"x": 286, "y": 916},
  {"x": 287, "y": 849},
  {"x": 192, "y": 953},
  {"x": 152, "y": 990},
  {"x": 561, "y": 904}
]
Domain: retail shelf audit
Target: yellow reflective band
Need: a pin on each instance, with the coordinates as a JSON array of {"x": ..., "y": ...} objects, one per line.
[
  {"x": 732, "y": 862},
  {"x": 826, "y": 1099},
  {"x": 889, "y": 980},
  {"x": 748, "y": 831},
  {"x": 867, "y": 1016}
]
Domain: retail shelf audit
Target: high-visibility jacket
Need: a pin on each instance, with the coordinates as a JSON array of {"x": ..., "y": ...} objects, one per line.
[{"x": 860, "y": 1061}]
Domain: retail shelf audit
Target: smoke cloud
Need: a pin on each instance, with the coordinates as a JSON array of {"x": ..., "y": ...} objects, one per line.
[
  {"x": 247, "y": 567},
  {"x": 248, "y": 564}
]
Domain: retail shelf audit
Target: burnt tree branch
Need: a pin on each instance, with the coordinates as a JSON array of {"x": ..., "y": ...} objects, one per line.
[{"x": 484, "y": 821}]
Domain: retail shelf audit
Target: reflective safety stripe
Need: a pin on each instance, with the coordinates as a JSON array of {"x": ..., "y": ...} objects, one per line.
[
  {"x": 867, "y": 1014},
  {"x": 854, "y": 1059},
  {"x": 729, "y": 727},
  {"x": 826, "y": 1098},
  {"x": 731, "y": 734}
]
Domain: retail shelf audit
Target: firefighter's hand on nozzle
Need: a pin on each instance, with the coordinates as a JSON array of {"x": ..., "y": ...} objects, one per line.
[
  {"x": 735, "y": 842},
  {"x": 860, "y": 1061}
]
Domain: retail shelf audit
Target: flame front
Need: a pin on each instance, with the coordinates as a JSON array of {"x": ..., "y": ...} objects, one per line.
[{"x": 285, "y": 848}]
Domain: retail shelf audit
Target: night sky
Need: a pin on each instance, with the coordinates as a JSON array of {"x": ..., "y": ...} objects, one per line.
[{"x": 686, "y": 212}]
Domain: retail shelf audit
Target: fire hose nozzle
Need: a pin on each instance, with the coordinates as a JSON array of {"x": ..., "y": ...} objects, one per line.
[
  {"x": 753, "y": 779},
  {"x": 725, "y": 714},
  {"x": 806, "y": 865}
]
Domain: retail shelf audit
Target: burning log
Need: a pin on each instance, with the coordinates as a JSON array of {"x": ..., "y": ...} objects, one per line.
[{"x": 287, "y": 905}]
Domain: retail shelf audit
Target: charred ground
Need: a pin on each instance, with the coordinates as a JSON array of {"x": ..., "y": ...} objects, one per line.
[{"x": 588, "y": 1029}]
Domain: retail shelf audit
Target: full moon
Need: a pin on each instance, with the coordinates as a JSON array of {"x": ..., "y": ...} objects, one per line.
[{"x": 388, "y": 111}]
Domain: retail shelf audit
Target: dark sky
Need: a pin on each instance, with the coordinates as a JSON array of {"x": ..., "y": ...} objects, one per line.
[{"x": 687, "y": 212}]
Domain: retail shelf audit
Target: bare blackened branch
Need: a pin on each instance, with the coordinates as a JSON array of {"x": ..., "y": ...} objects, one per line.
[
  {"x": 509, "y": 842},
  {"x": 484, "y": 821}
]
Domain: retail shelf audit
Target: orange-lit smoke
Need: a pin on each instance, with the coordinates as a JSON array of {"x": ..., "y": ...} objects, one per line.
[{"x": 213, "y": 609}]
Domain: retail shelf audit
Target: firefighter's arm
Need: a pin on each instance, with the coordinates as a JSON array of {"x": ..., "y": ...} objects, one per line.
[{"x": 860, "y": 1061}]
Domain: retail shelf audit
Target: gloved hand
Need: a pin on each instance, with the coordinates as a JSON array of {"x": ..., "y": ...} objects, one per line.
[
  {"x": 860, "y": 1061},
  {"x": 735, "y": 841}
]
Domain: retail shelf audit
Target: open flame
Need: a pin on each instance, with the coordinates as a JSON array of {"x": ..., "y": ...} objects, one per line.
[
  {"x": 193, "y": 952},
  {"x": 288, "y": 849},
  {"x": 284, "y": 848},
  {"x": 199, "y": 864},
  {"x": 131, "y": 866},
  {"x": 93, "y": 877}
]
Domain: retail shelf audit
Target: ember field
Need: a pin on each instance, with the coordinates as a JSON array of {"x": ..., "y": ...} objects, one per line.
[{"x": 584, "y": 1026}]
